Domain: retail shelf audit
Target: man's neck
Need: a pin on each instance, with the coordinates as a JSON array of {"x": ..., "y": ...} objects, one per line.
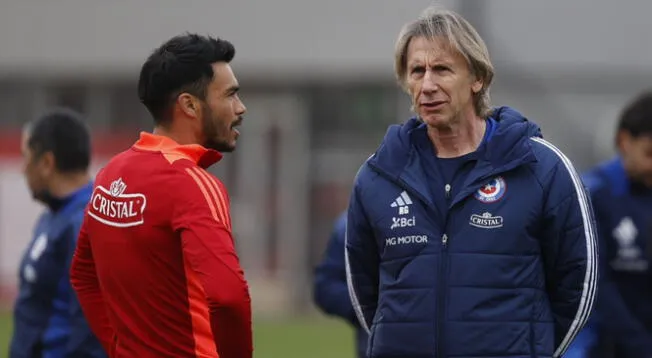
[
  {"x": 181, "y": 137},
  {"x": 459, "y": 139},
  {"x": 65, "y": 184}
]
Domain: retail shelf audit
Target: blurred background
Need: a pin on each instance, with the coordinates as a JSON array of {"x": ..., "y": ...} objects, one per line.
[{"x": 317, "y": 79}]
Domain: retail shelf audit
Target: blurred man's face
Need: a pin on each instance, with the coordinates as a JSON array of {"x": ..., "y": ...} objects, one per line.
[
  {"x": 222, "y": 110},
  {"x": 439, "y": 82},
  {"x": 637, "y": 156},
  {"x": 36, "y": 169}
]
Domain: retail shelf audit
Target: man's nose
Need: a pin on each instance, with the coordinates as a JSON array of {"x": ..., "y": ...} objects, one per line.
[
  {"x": 241, "y": 108},
  {"x": 430, "y": 82}
]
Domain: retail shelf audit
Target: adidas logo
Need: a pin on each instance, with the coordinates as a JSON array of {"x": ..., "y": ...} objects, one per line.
[{"x": 402, "y": 203}]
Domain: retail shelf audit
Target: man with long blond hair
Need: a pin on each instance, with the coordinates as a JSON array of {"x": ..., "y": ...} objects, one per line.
[{"x": 468, "y": 234}]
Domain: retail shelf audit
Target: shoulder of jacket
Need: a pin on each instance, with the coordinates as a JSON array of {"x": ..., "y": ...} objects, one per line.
[
  {"x": 186, "y": 166},
  {"x": 365, "y": 173},
  {"x": 549, "y": 159},
  {"x": 547, "y": 154},
  {"x": 188, "y": 173}
]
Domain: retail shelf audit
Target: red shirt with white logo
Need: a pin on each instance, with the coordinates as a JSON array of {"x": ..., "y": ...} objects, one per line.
[{"x": 155, "y": 268}]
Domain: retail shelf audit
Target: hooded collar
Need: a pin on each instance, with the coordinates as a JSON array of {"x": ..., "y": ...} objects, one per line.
[
  {"x": 174, "y": 151},
  {"x": 506, "y": 148},
  {"x": 80, "y": 195}
]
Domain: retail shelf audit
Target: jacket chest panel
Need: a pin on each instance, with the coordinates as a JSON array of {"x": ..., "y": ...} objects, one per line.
[{"x": 499, "y": 217}]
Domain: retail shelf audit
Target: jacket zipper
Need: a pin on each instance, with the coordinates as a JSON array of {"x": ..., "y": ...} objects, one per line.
[
  {"x": 443, "y": 264},
  {"x": 443, "y": 277}
]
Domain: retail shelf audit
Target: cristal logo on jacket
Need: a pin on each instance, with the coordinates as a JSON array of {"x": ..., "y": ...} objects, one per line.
[{"x": 115, "y": 208}]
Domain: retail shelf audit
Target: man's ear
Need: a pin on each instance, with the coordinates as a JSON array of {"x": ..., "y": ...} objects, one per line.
[
  {"x": 189, "y": 105},
  {"x": 48, "y": 163},
  {"x": 476, "y": 86},
  {"x": 623, "y": 139}
]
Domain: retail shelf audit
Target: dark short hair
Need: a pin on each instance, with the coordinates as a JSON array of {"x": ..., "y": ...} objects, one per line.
[
  {"x": 63, "y": 132},
  {"x": 636, "y": 117},
  {"x": 182, "y": 64}
]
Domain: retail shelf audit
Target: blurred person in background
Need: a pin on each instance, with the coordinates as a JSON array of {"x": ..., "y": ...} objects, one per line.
[
  {"x": 468, "y": 234},
  {"x": 330, "y": 292},
  {"x": 48, "y": 321},
  {"x": 156, "y": 269},
  {"x": 621, "y": 191}
]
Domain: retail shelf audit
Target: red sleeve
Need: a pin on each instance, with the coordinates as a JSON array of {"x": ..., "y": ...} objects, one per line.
[
  {"x": 201, "y": 215},
  {"x": 85, "y": 283}
]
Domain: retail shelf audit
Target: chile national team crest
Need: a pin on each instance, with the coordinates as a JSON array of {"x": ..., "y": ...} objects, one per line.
[{"x": 492, "y": 191}]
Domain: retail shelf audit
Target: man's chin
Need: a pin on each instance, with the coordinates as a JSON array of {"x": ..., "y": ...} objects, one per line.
[
  {"x": 37, "y": 196},
  {"x": 225, "y": 149},
  {"x": 41, "y": 196},
  {"x": 436, "y": 121},
  {"x": 222, "y": 147}
]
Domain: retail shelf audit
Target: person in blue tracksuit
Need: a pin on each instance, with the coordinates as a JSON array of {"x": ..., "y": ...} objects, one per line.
[
  {"x": 621, "y": 191},
  {"x": 468, "y": 234},
  {"x": 48, "y": 321},
  {"x": 330, "y": 292}
]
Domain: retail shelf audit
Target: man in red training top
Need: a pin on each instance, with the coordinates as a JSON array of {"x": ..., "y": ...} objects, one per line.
[{"x": 155, "y": 267}]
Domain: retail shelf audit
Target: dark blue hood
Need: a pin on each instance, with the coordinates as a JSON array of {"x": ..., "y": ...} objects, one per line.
[{"x": 504, "y": 149}]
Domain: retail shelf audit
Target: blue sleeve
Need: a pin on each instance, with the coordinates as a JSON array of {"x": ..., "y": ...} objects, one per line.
[
  {"x": 46, "y": 265},
  {"x": 331, "y": 293},
  {"x": 614, "y": 317},
  {"x": 82, "y": 341},
  {"x": 569, "y": 249},
  {"x": 362, "y": 261}
]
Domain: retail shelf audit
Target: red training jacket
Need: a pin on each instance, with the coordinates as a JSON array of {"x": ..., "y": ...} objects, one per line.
[{"x": 155, "y": 267}]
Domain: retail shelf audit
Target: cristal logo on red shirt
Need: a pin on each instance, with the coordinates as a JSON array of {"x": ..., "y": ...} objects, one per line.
[{"x": 115, "y": 208}]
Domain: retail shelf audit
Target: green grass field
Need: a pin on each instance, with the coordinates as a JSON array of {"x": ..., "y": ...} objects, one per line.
[{"x": 293, "y": 338}]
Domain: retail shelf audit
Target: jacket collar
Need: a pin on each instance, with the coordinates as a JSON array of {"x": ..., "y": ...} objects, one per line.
[
  {"x": 80, "y": 195},
  {"x": 174, "y": 151},
  {"x": 506, "y": 147}
]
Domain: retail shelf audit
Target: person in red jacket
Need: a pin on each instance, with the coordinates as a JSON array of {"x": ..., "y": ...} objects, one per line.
[{"x": 155, "y": 267}]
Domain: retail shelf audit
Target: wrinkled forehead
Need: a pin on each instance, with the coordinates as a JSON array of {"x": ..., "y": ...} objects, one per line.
[{"x": 429, "y": 49}]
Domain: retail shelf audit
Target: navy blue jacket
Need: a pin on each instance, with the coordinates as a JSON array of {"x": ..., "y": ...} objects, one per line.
[
  {"x": 509, "y": 270},
  {"x": 48, "y": 321},
  {"x": 330, "y": 291},
  {"x": 623, "y": 212}
]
